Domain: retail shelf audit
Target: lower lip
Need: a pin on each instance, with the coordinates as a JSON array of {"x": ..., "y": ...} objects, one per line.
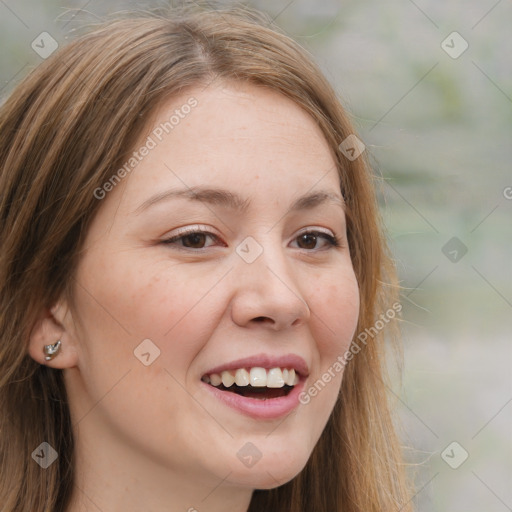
[{"x": 256, "y": 408}]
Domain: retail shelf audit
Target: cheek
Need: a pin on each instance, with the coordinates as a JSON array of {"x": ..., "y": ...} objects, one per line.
[
  {"x": 335, "y": 312},
  {"x": 134, "y": 294},
  {"x": 118, "y": 311},
  {"x": 334, "y": 309},
  {"x": 136, "y": 301}
]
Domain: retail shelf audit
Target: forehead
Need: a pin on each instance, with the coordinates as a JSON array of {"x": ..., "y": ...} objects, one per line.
[{"x": 238, "y": 136}]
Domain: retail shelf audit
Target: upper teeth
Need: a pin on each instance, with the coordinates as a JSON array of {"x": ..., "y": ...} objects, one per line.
[{"x": 257, "y": 377}]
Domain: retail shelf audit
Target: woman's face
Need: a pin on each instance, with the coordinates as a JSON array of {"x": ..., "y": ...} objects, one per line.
[{"x": 160, "y": 307}]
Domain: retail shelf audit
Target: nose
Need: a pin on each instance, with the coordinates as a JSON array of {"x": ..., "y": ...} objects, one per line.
[{"x": 266, "y": 292}]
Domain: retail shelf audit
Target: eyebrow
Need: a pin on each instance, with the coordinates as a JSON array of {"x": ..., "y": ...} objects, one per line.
[{"x": 228, "y": 199}]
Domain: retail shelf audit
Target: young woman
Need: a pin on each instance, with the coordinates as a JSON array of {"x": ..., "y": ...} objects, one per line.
[{"x": 195, "y": 287}]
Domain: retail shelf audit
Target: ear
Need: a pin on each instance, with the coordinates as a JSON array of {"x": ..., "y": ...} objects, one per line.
[{"x": 52, "y": 325}]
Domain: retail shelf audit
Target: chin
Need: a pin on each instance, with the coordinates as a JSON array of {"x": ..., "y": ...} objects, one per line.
[
  {"x": 262, "y": 479},
  {"x": 269, "y": 472}
]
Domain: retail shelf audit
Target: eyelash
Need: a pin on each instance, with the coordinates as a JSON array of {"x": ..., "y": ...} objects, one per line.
[{"x": 332, "y": 240}]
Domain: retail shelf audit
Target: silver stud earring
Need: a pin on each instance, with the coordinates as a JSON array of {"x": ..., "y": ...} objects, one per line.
[{"x": 50, "y": 351}]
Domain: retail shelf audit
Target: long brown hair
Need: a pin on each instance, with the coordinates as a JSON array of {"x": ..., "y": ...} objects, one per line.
[{"x": 63, "y": 131}]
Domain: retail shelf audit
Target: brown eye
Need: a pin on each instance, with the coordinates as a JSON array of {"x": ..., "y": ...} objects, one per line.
[
  {"x": 308, "y": 240},
  {"x": 194, "y": 240}
]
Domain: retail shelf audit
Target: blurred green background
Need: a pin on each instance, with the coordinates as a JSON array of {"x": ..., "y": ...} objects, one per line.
[{"x": 437, "y": 124}]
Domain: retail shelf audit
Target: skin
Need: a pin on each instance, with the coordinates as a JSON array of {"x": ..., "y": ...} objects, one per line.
[{"x": 150, "y": 437}]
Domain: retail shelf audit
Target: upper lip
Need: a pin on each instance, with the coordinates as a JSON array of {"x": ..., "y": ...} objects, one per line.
[{"x": 265, "y": 361}]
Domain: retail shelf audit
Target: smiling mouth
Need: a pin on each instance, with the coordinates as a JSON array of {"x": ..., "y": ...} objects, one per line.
[
  {"x": 257, "y": 393},
  {"x": 258, "y": 383}
]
